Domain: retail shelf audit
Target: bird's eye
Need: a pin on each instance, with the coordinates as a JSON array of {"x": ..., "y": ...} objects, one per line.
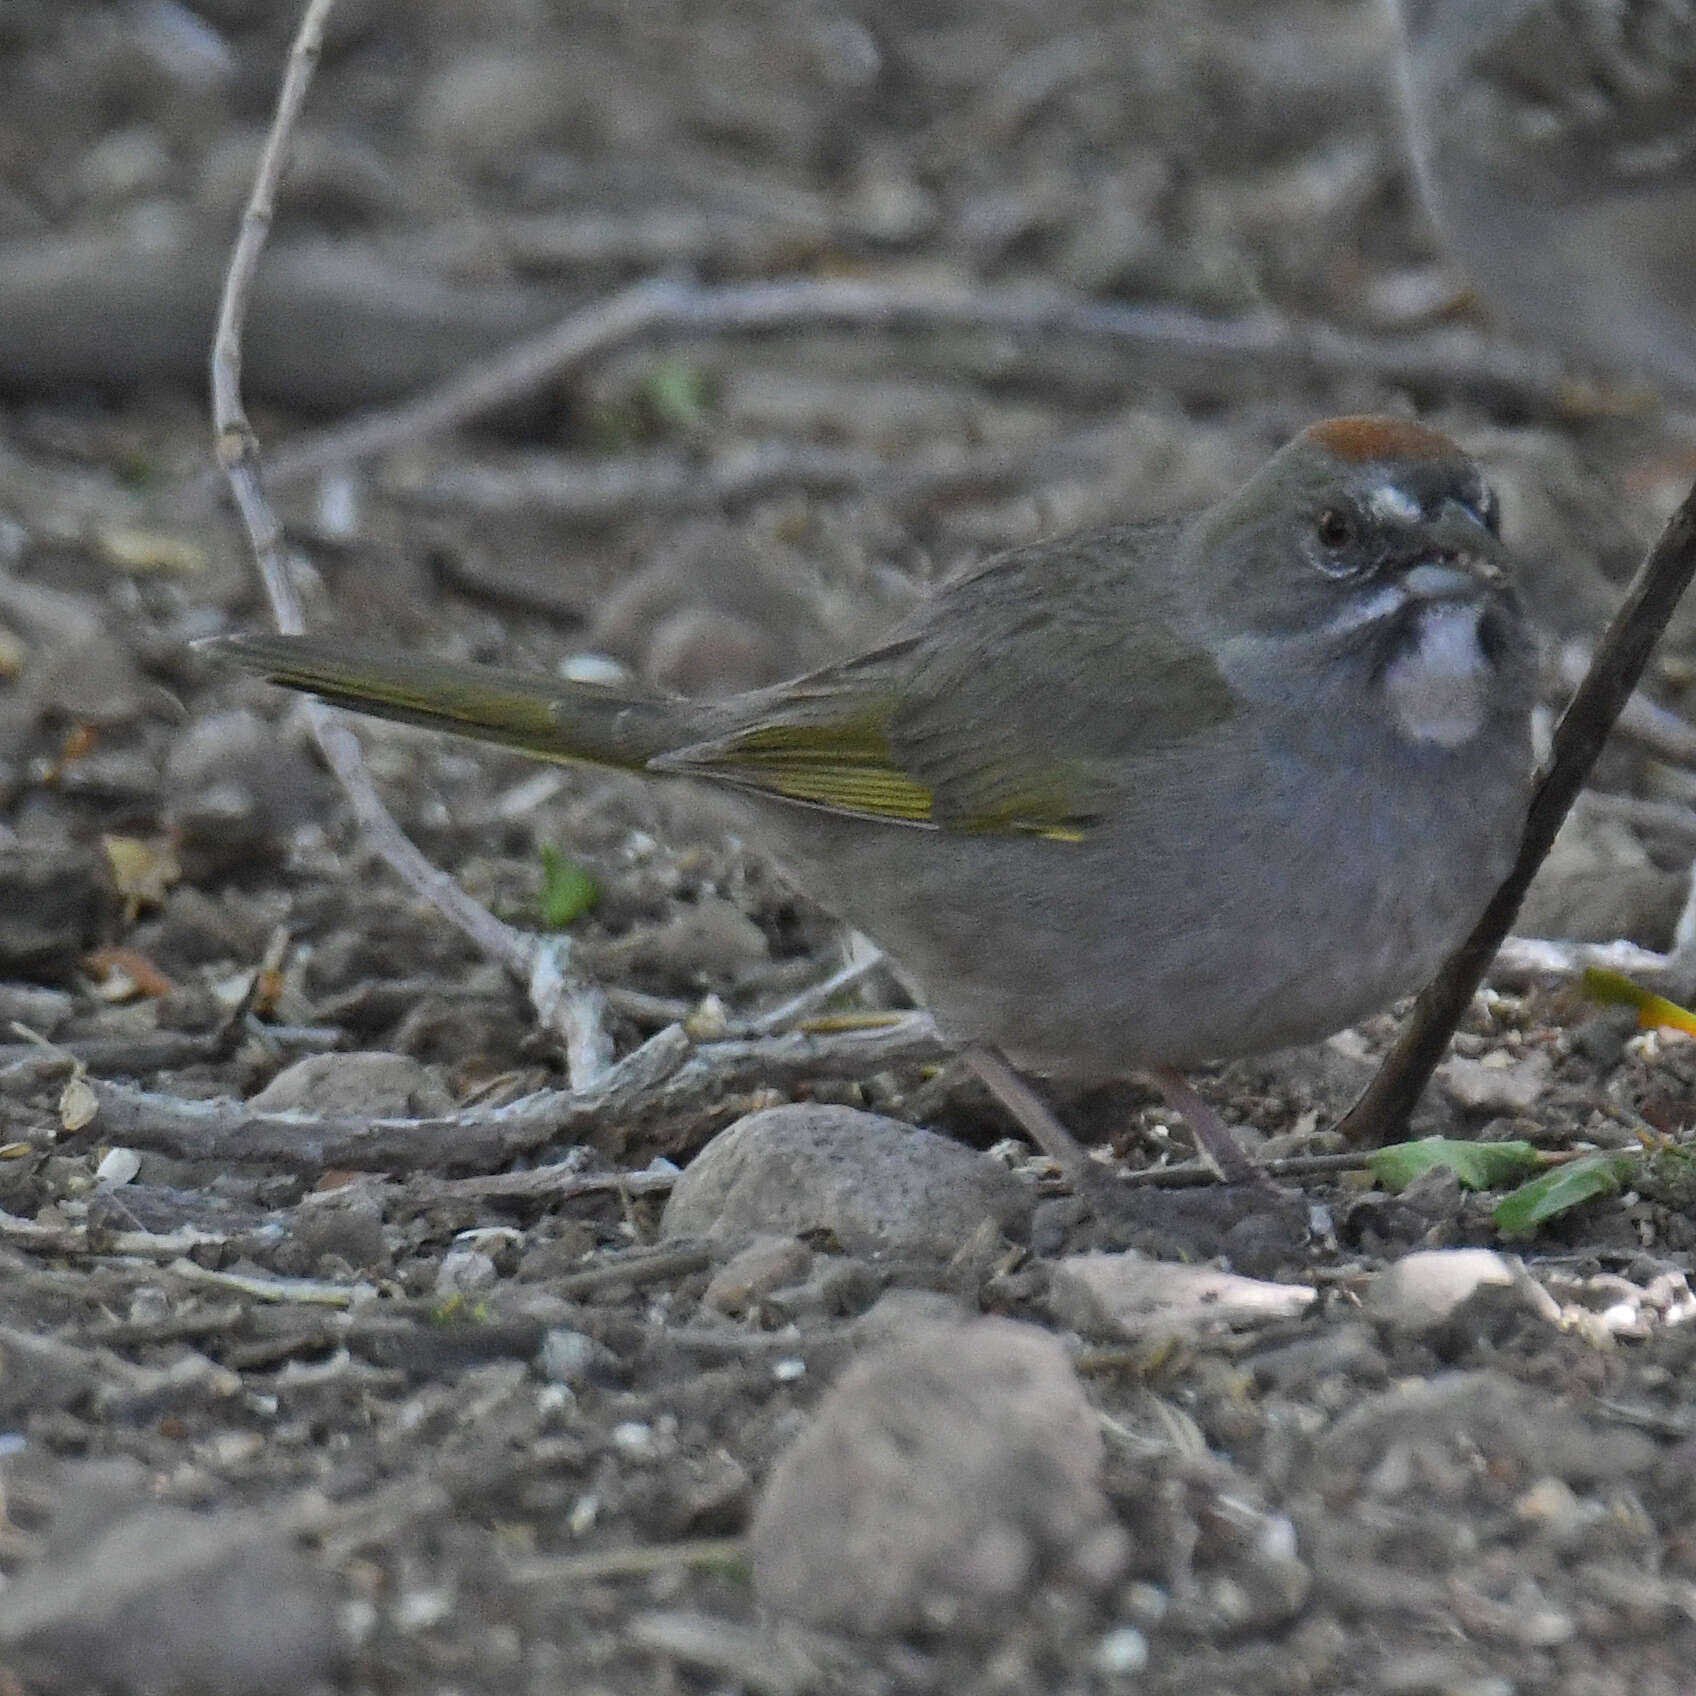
[{"x": 1334, "y": 527}]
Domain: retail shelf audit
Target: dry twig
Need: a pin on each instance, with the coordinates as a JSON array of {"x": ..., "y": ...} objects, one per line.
[
  {"x": 563, "y": 1001},
  {"x": 667, "y": 1081},
  {"x": 1453, "y": 360}
]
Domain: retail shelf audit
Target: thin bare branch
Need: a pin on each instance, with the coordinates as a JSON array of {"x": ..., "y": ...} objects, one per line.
[
  {"x": 1455, "y": 360},
  {"x": 564, "y": 1002}
]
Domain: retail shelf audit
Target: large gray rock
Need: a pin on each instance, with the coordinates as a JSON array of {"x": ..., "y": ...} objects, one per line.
[
  {"x": 940, "y": 1479},
  {"x": 874, "y": 1184}
]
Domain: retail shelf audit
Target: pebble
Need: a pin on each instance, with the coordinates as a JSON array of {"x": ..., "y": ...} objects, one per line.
[
  {"x": 465, "y": 1272},
  {"x": 873, "y": 1184},
  {"x": 1121, "y": 1653},
  {"x": 938, "y": 1479},
  {"x": 567, "y": 1357}
]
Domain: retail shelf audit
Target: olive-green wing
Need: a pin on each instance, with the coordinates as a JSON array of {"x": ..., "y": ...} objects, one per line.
[{"x": 1013, "y": 703}]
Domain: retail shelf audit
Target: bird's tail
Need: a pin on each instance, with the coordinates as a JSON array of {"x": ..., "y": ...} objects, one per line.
[{"x": 552, "y": 719}]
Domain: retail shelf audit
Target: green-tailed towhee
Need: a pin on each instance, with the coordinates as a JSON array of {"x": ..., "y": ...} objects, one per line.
[{"x": 1168, "y": 792}]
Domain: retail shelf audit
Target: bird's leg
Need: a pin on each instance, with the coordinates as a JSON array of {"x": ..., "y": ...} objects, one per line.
[
  {"x": 1087, "y": 1179},
  {"x": 1212, "y": 1135},
  {"x": 1035, "y": 1118}
]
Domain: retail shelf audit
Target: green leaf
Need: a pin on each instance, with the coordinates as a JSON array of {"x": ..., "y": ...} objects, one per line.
[
  {"x": 675, "y": 391},
  {"x": 1561, "y": 1189},
  {"x": 568, "y": 892},
  {"x": 1478, "y": 1165}
]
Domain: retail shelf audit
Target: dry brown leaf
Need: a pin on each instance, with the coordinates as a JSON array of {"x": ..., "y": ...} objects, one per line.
[{"x": 123, "y": 973}]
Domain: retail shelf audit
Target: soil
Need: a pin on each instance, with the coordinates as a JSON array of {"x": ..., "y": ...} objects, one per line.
[{"x": 458, "y": 1410}]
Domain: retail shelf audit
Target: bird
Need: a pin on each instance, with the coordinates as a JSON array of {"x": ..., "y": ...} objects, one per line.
[
  {"x": 1555, "y": 144},
  {"x": 1173, "y": 791}
]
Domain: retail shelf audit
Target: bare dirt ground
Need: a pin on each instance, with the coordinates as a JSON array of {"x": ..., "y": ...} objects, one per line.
[{"x": 465, "y": 1406}]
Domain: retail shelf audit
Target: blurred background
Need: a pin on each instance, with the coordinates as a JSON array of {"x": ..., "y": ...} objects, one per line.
[{"x": 706, "y": 512}]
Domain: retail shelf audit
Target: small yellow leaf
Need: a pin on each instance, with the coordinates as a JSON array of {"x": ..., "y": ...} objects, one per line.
[
  {"x": 78, "y": 1103},
  {"x": 1615, "y": 989},
  {"x": 143, "y": 867}
]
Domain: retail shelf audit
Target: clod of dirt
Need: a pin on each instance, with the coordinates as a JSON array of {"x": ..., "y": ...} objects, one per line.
[
  {"x": 874, "y": 1184},
  {"x": 385, "y": 1086},
  {"x": 1128, "y": 1295},
  {"x": 158, "y": 1598},
  {"x": 938, "y": 1483}
]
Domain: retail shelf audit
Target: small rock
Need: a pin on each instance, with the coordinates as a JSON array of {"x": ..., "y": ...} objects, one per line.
[
  {"x": 874, "y": 1184},
  {"x": 766, "y": 1264},
  {"x": 1554, "y": 1508},
  {"x": 1121, "y": 1653},
  {"x": 1129, "y": 1295},
  {"x": 164, "y": 1599},
  {"x": 117, "y": 1167},
  {"x": 568, "y": 1357},
  {"x": 465, "y": 1272},
  {"x": 938, "y": 1480},
  {"x": 1422, "y": 1291},
  {"x": 379, "y": 1086},
  {"x": 1477, "y": 1086}
]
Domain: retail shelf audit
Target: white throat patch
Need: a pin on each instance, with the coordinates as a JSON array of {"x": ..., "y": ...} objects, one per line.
[{"x": 1438, "y": 689}]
